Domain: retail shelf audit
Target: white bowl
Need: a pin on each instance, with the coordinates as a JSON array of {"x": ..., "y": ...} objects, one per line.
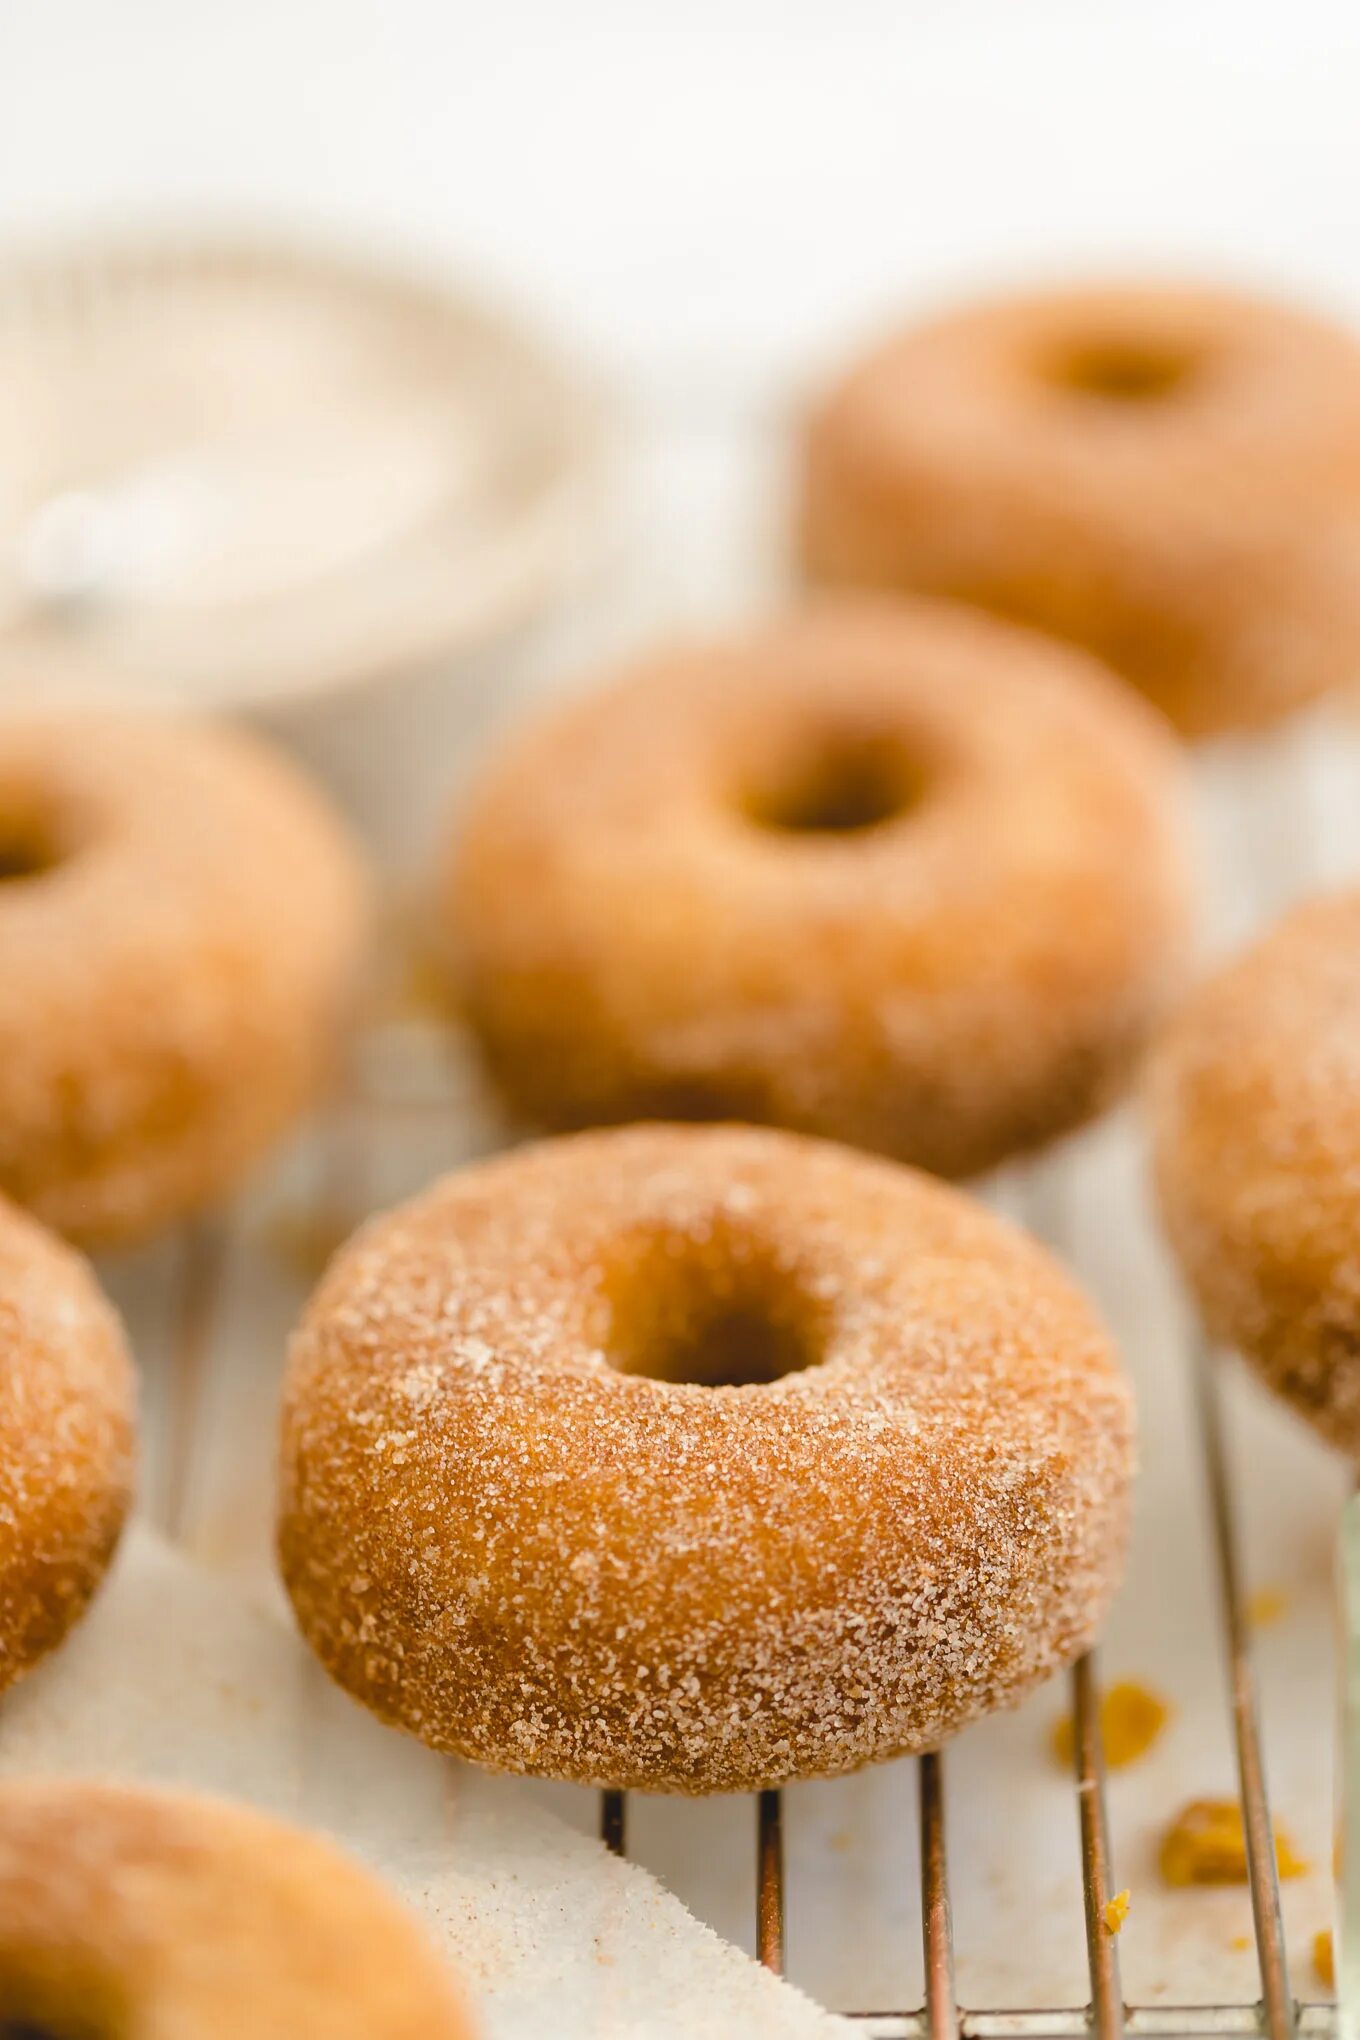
[{"x": 242, "y": 476}]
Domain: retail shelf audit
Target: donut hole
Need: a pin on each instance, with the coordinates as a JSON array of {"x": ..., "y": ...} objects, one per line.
[
  {"x": 1129, "y": 369},
  {"x": 42, "y": 2029},
  {"x": 56, "y": 1992},
  {"x": 716, "y": 1312},
  {"x": 839, "y": 787},
  {"x": 34, "y": 2013},
  {"x": 30, "y": 846}
]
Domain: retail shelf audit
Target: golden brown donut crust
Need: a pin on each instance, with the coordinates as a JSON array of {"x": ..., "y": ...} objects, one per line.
[
  {"x": 1255, "y": 1108},
  {"x": 501, "y": 1533},
  {"x": 174, "y": 974},
  {"x": 67, "y": 1403},
  {"x": 1168, "y": 476},
  {"x": 128, "y": 1911},
  {"x": 961, "y": 982}
]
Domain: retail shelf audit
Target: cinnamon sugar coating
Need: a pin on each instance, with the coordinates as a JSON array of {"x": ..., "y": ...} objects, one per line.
[
  {"x": 659, "y": 905},
  {"x": 181, "y": 920},
  {"x": 1168, "y": 476},
  {"x": 130, "y": 1911},
  {"x": 549, "y": 1502},
  {"x": 1255, "y": 1107},
  {"x": 67, "y": 1404}
]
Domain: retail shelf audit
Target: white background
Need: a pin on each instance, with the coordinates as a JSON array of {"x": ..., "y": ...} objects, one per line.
[{"x": 710, "y": 194}]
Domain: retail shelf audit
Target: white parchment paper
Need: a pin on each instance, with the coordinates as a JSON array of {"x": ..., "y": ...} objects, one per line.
[{"x": 181, "y": 1679}]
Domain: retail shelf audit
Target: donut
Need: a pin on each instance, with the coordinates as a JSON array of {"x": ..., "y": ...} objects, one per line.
[
  {"x": 891, "y": 873},
  {"x": 66, "y": 1439},
  {"x": 181, "y": 920},
  {"x": 1167, "y": 476},
  {"x": 1254, "y": 1098},
  {"x": 697, "y": 1459},
  {"x": 130, "y": 1911}
]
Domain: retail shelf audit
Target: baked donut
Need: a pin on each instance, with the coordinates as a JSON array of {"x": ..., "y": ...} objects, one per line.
[
  {"x": 1169, "y": 477},
  {"x": 181, "y": 920},
  {"x": 891, "y": 873},
  {"x": 66, "y": 1439},
  {"x": 128, "y": 1911},
  {"x": 1255, "y": 1107},
  {"x": 695, "y": 1459}
]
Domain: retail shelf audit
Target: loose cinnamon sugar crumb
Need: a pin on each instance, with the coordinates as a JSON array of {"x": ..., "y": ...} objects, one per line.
[
  {"x": 303, "y": 1238},
  {"x": 1115, "y": 1912},
  {"x": 1131, "y": 1719},
  {"x": 1324, "y": 1958},
  {"x": 405, "y": 979},
  {"x": 1267, "y": 1606},
  {"x": 411, "y": 987},
  {"x": 422, "y": 993},
  {"x": 1287, "y": 1862},
  {"x": 1206, "y": 1844}
]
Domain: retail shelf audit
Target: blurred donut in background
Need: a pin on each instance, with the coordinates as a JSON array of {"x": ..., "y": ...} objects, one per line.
[
  {"x": 1169, "y": 477},
  {"x": 134, "y": 1911},
  {"x": 182, "y": 921},
  {"x": 1255, "y": 1100},
  {"x": 893, "y": 873}
]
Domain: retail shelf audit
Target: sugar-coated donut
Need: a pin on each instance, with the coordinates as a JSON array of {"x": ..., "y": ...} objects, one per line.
[
  {"x": 125, "y": 1911},
  {"x": 697, "y": 1458},
  {"x": 888, "y": 872},
  {"x": 1255, "y": 1103},
  {"x": 66, "y": 1439},
  {"x": 181, "y": 918},
  {"x": 1167, "y": 476}
]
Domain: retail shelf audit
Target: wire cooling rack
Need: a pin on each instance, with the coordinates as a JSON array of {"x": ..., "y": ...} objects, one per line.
[
  {"x": 192, "y": 1286},
  {"x": 409, "y": 1111},
  {"x": 1275, "y": 2014}
]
